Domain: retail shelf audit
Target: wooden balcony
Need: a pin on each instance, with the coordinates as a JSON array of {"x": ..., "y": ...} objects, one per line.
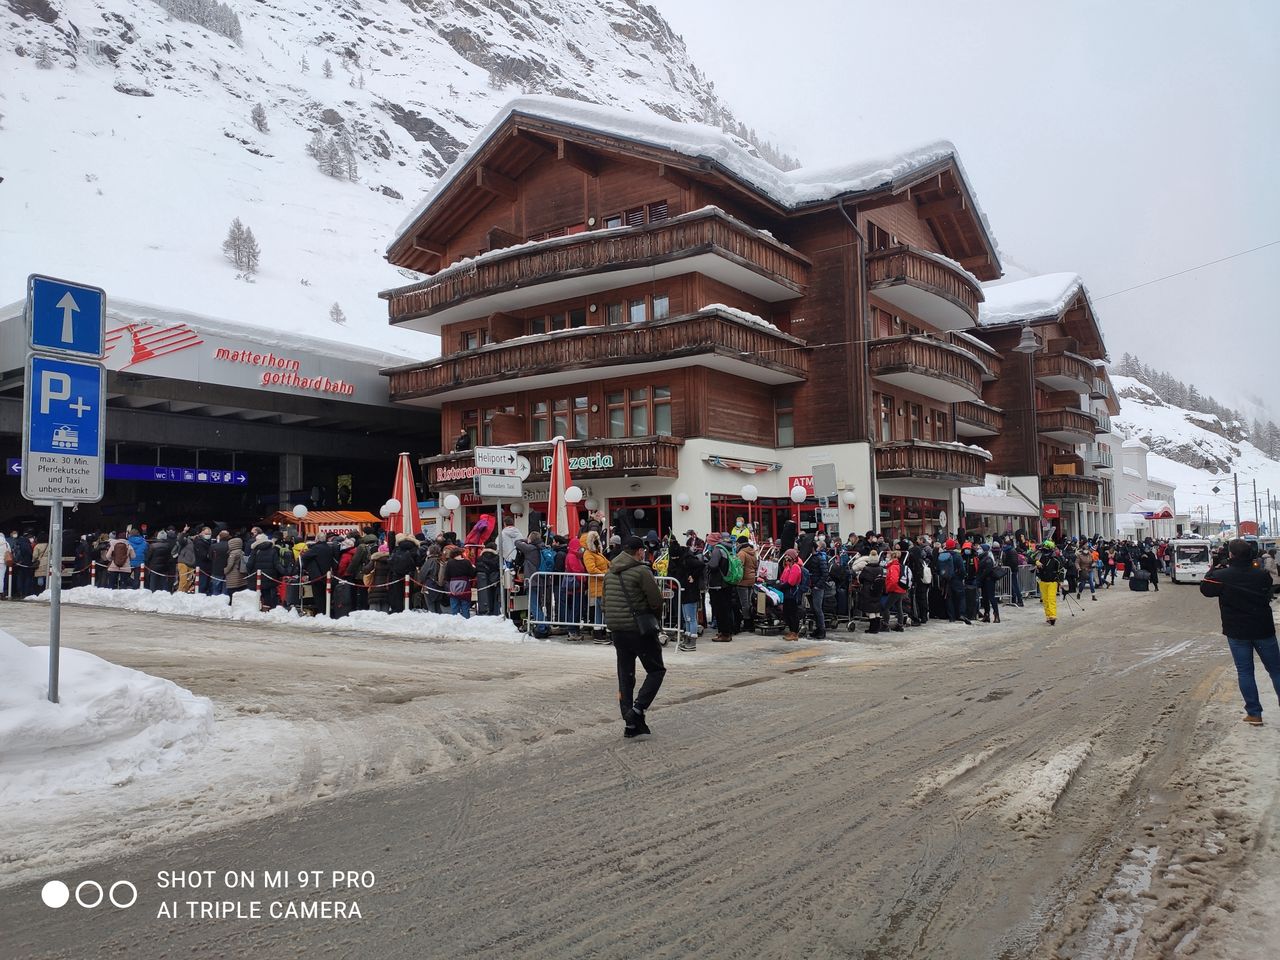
[
  {"x": 927, "y": 460},
  {"x": 925, "y": 285},
  {"x": 931, "y": 367},
  {"x": 707, "y": 241},
  {"x": 990, "y": 357},
  {"x": 708, "y": 338},
  {"x": 1066, "y": 425},
  {"x": 1071, "y": 489},
  {"x": 978, "y": 419},
  {"x": 1065, "y": 371},
  {"x": 628, "y": 457}
]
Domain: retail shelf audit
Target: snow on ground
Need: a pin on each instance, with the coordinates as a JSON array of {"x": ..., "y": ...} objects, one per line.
[
  {"x": 111, "y": 726},
  {"x": 410, "y": 625},
  {"x": 1162, "y": 426}
]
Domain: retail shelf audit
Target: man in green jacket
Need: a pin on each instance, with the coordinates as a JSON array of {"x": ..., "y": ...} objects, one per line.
[{"x": 631, "y": 593}]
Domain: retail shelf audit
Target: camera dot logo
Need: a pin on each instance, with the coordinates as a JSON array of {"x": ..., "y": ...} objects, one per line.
[
  {"x": 55, "y": 894},
  {"x": 89, "y": 894}
]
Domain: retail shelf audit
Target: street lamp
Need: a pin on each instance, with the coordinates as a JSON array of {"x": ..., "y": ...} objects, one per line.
[
  {"x": 749, "y": 494},
  {"x": 1028, "y": 345}
]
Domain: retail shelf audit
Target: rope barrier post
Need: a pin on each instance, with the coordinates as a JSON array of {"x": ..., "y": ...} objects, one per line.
[
  {"x": 406, "y": 591},
  {"x": 257, "y": 583},
  {"x": 328, "y": 594},
  {"x": 142, "y": 576}
]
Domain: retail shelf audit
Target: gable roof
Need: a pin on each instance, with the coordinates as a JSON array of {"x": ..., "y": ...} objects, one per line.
[
  {"x": 714, "y": 151},
  {"x": 1050, "y": 296}
]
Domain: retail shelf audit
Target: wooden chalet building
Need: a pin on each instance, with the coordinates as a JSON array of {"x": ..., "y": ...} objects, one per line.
[
  {"x": 691, "y": 319},
  {"x": 1043, "y": 418}
]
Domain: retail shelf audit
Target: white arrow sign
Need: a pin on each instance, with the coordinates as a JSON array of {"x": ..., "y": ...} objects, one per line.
[{"x": 68, "y": 307}]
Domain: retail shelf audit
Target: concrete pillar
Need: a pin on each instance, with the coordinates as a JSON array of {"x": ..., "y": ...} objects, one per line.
[{"x": 290, "y": 476}]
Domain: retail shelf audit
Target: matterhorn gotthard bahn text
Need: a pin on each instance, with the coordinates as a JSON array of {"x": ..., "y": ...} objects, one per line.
[{"x": 476, "y": 485}]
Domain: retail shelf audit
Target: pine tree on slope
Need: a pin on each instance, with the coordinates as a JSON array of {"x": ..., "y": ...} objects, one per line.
[
  {"x": 336, "y": 315},
  {"x": 259, "y": 117}
]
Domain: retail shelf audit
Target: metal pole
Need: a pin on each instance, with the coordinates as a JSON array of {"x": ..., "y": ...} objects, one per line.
[
  {"x": 1257, "y": 515},
  {"x": 502, "y": 569},
  {"x": 55, "y": 596},
  {"x": 1235, "y": 479}
]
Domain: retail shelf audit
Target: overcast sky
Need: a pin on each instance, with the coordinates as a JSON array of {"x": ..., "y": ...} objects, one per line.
[{"x": 1118, "y": 139}]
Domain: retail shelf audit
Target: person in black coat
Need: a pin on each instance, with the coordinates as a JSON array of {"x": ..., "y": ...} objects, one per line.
[
  {"x": 871, "y": 589},
  {"x": 1243, "y": 592},
  {"x": 404, "y": 563},
  {"x": 488, "y": 573},
  {"x": 264, "y": 558},
  {"x": 160, "y": 564},
  {"x": 1149, "y": 562}
]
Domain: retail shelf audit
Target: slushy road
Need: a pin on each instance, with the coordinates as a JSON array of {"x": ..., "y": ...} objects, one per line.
[{"x": 1024, "y": 791}]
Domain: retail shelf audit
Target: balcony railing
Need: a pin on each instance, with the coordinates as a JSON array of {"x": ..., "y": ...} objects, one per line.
[
  {"x": 928, "y": 286},
  {"x": 1066, "y": 424},
  {"x": 928, "y": 460},
  {"x": 1100, "y": 389},
  {"x": 978, "y": 419},
  {"x": 925, "y": 365},
  {"x": 1102, "y": 423},
  {"x": 990, "y": 358},
  {"x": 1098, "y": 457},
  {"x": 761, "y": 352},
  {"x": 1064, "y": 487},
  {"x": 626, "y": 457},
  {"x": 500, "y": 280},
  {"x": 1065, "y": 371}
]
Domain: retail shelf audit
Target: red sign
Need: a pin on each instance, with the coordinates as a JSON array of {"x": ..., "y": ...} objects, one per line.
[
  {"x": 806, "y": 482},
  {"x": 1248, "y": 528},
  {"x": 1051, "y": 511}
]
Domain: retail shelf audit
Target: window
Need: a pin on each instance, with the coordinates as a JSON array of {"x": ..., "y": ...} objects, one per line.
[
  {"x": 538, "y": 325},
  {"x": 915, "y": 421},
  {"x": 614, "y": 221},
  {"x": 555, "y": 321},
  {"x": 654, "y": 212},
  {"x": 784, "y": 423},
  {"x": 471, "y": 340},
  {"x": 613, "y": 314},
  {"x": 885, "y": 413},
  {"x": 639, "y": 412},
  {"x": 471, "y": 423},
  {"x": 661, "y": 306},
  {"x": 878, "y": 238},
  {"x": 577, "y": 318},
  {"x": 940, "y": 431},
  {"x": 658, "y": 211},
  {"x": 558, "y": 417},
  {"x": 617, "y": 404},
  {"x": 635, "y": 311}
]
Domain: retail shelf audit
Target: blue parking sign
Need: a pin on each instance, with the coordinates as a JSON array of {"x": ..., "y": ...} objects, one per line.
[
  {"x": 63, "y": 430},
  {"x": 66, "y": 317}
]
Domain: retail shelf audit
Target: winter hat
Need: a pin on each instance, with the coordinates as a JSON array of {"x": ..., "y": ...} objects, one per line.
[
  {"x": 632, "y": 544},
  {"x": 615, "y": 541},
  {"x": 162, "y": 535},
  {"x": 260, "y": 538},
  {"x": 348, "y": 543},
  {"x": 382, "y": 547},
  {"x": 873, "y": 556},
  {"x": 950, "y": 544},
  {"x": 403, "y": 538}
]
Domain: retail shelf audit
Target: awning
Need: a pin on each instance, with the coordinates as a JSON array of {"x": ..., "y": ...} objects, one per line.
[
  {"x": 1153, "y": 509},
  {"x": 996, "y": 505},
  {"x": 324, "y": 521}
]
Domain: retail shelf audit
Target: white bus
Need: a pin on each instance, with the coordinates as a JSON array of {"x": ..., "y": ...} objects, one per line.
[{"x": 1191, "y": 558}]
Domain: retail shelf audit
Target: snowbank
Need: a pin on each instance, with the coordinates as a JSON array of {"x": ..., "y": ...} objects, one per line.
[
  {"x": 113, "y": 725},
  {"x": 411, "y": 625}
]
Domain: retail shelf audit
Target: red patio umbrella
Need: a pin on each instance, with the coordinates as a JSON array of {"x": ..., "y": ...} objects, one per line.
[
  {"x": 562, "y": 516},
  {"x": 404, "y": 520}
]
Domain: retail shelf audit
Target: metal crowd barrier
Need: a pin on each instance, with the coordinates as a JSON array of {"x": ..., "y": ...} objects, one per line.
[{"x": 562, "y": 601}]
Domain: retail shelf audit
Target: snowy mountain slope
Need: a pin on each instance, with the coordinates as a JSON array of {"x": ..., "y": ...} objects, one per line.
[
  {"x": 1182, "y": 440},
  {"x": 127, "y": 158}
]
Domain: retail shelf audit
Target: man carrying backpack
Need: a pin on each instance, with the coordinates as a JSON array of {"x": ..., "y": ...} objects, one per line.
[
  {"x": 746, "y": 586},
  {"x": 724, "y": 571},
  {"x": 951, "y": 578},
  {"x": 119, "y": 570},
  {"x": 632, "y": 608},
  {"x": 1244, "y": 601},
  {"x": 530, "y": 556},
  {"x": 1048, "y": 575}
]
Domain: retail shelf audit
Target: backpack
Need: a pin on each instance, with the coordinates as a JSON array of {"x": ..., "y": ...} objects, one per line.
[
  {"x": 120, "y": 554},
  {"x": 546, "y": 560},
  {"x": 946, "y": 565},
  {"x": 246, "y": 563},
  {"x": 803, "y": 586},
  {"x": 733, "y": 574}
]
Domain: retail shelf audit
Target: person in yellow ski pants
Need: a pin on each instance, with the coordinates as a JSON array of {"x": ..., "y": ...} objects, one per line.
[
  {"x": 1048, "y": 571},
  {"x": 1049, "y": 597}
]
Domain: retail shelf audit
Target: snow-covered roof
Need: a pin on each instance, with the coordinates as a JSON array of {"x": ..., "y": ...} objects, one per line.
[
  {"x": 1130, "y": 472},
  {"x": 131, "y": 310},
  {"x": 1133, "y": 443},
  {"x": 1161, "y": 483},
  {"x": 1155, "y": 509},
  {"x": 1029, "y": 299},
  {"x": 789, "y": 189}
]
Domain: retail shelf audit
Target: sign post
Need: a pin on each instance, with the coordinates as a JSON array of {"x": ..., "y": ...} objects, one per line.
[
  {"x": 499, "y": 486},
  {"x": 64, "y": 416}
]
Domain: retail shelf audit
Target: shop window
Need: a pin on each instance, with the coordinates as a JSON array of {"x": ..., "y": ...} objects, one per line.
[
  {"x": 784, "y": 424},
  {"x": 661, "y": 306},
  {"x": 915, "y": 421},
  {"x": 613, "y": 314},
  {"x": 635, "y": 311}
]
